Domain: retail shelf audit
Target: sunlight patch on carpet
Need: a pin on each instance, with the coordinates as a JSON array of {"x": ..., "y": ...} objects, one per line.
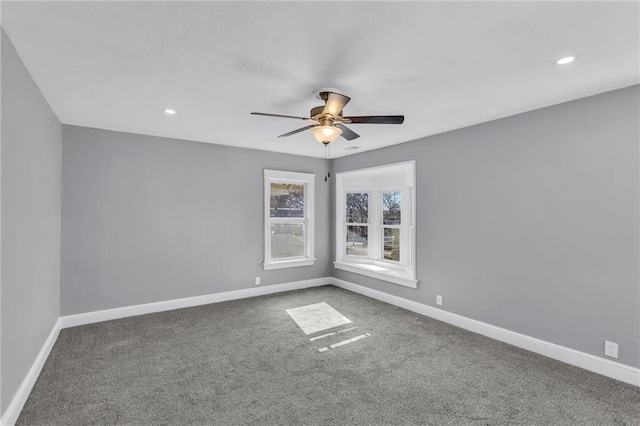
[
  {"x": 317, "y": 317},
  {"x": 344, "y": 342},
  {"x": 332, "y": 334}
]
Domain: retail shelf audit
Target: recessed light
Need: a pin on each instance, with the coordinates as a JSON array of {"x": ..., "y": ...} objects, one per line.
[
  {"x": 351, "y": 148},
  {"x": 169, "y": 111},
  {"x": 565, "y": 60}
]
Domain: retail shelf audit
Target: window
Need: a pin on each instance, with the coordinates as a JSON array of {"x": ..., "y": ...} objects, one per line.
[
  {"x": 391, "y": 225},
  {"x": 375, "y": 212},
  {"x": 357, "y": 223},
  {"x": 288, "y": 199}
]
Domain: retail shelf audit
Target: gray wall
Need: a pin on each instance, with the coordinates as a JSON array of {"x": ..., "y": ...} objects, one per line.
[
  {"x": 530, "y": 223},
  {"x": 146, "y": 219},
  {"x": 30, "y": 278}
]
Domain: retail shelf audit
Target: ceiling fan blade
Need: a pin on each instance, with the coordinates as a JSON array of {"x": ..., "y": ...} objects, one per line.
[
  {"x": 302, "y": 129},
  {"x": 375, "y": 119},
  {"x": 280, "y": 115},
  {"x": 335, "y": 104},
  {"x": 347, "y": 133}
]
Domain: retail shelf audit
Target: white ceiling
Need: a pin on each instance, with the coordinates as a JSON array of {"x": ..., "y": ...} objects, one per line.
[{"x": 444, "y": 65}]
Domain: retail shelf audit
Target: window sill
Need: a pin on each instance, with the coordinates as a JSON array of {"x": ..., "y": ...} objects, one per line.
[
  {"x": 288, "y": 264},
  {"x": 378, "y": 271}
]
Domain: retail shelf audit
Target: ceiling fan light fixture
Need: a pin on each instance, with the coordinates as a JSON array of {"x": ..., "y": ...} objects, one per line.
[{"x": 326, "y": 134}]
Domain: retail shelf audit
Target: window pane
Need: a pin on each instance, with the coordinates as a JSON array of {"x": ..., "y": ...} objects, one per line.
[
  {"x": 357, "y": 240},
  {"x": 357, "y": 207},
  {"x": 287, "y": 240},
  {"x": 391, "y": 208},
  {"x": 391, "y": 245},
  {"x": 287, "y": 200}
]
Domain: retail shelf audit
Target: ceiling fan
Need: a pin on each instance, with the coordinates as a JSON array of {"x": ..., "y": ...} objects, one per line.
[{"x": 328, "y": 121}]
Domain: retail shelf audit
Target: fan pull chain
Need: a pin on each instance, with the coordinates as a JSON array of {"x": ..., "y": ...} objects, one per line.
[{"x": 326, "y": 156}]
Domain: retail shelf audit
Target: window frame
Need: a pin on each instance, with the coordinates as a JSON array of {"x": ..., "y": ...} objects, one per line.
[
  {"x": 346, "y": 224},
  {"x": 405, "y": 223},
  {"x": 373, "y": 181},
  {"x": 295, "y": 178}
]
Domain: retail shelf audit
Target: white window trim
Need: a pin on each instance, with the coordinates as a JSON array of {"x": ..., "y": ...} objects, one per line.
[
  {"x": 401, "y": 273},
  {"x": 308, "y": 180},
  {"x": 386, "y": 274}
]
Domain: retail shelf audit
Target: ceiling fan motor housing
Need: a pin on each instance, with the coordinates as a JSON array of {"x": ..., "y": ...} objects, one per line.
[{"x": 316, "y": 113}]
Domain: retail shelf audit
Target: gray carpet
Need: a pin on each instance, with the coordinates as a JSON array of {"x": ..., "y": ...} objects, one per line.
[{"x": 248, "y": 362}]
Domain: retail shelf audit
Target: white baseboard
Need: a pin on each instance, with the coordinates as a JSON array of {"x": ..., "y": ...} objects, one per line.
[
  {"x": 612, "y": 369},
  {"x": 168, "y": 305},
  {"x": 12, "y": 412}
]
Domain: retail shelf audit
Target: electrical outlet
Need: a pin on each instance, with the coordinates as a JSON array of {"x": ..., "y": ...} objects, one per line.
[
  {"x": 611, "y": 349},
  {"x": 439, "y": 300},
  {"x": 257, "y": 281}
]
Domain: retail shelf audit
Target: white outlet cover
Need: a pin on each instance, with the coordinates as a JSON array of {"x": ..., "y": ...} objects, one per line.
[
  {"x": 439, "y": 300},
  {"x": 611, "y": 349}
]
